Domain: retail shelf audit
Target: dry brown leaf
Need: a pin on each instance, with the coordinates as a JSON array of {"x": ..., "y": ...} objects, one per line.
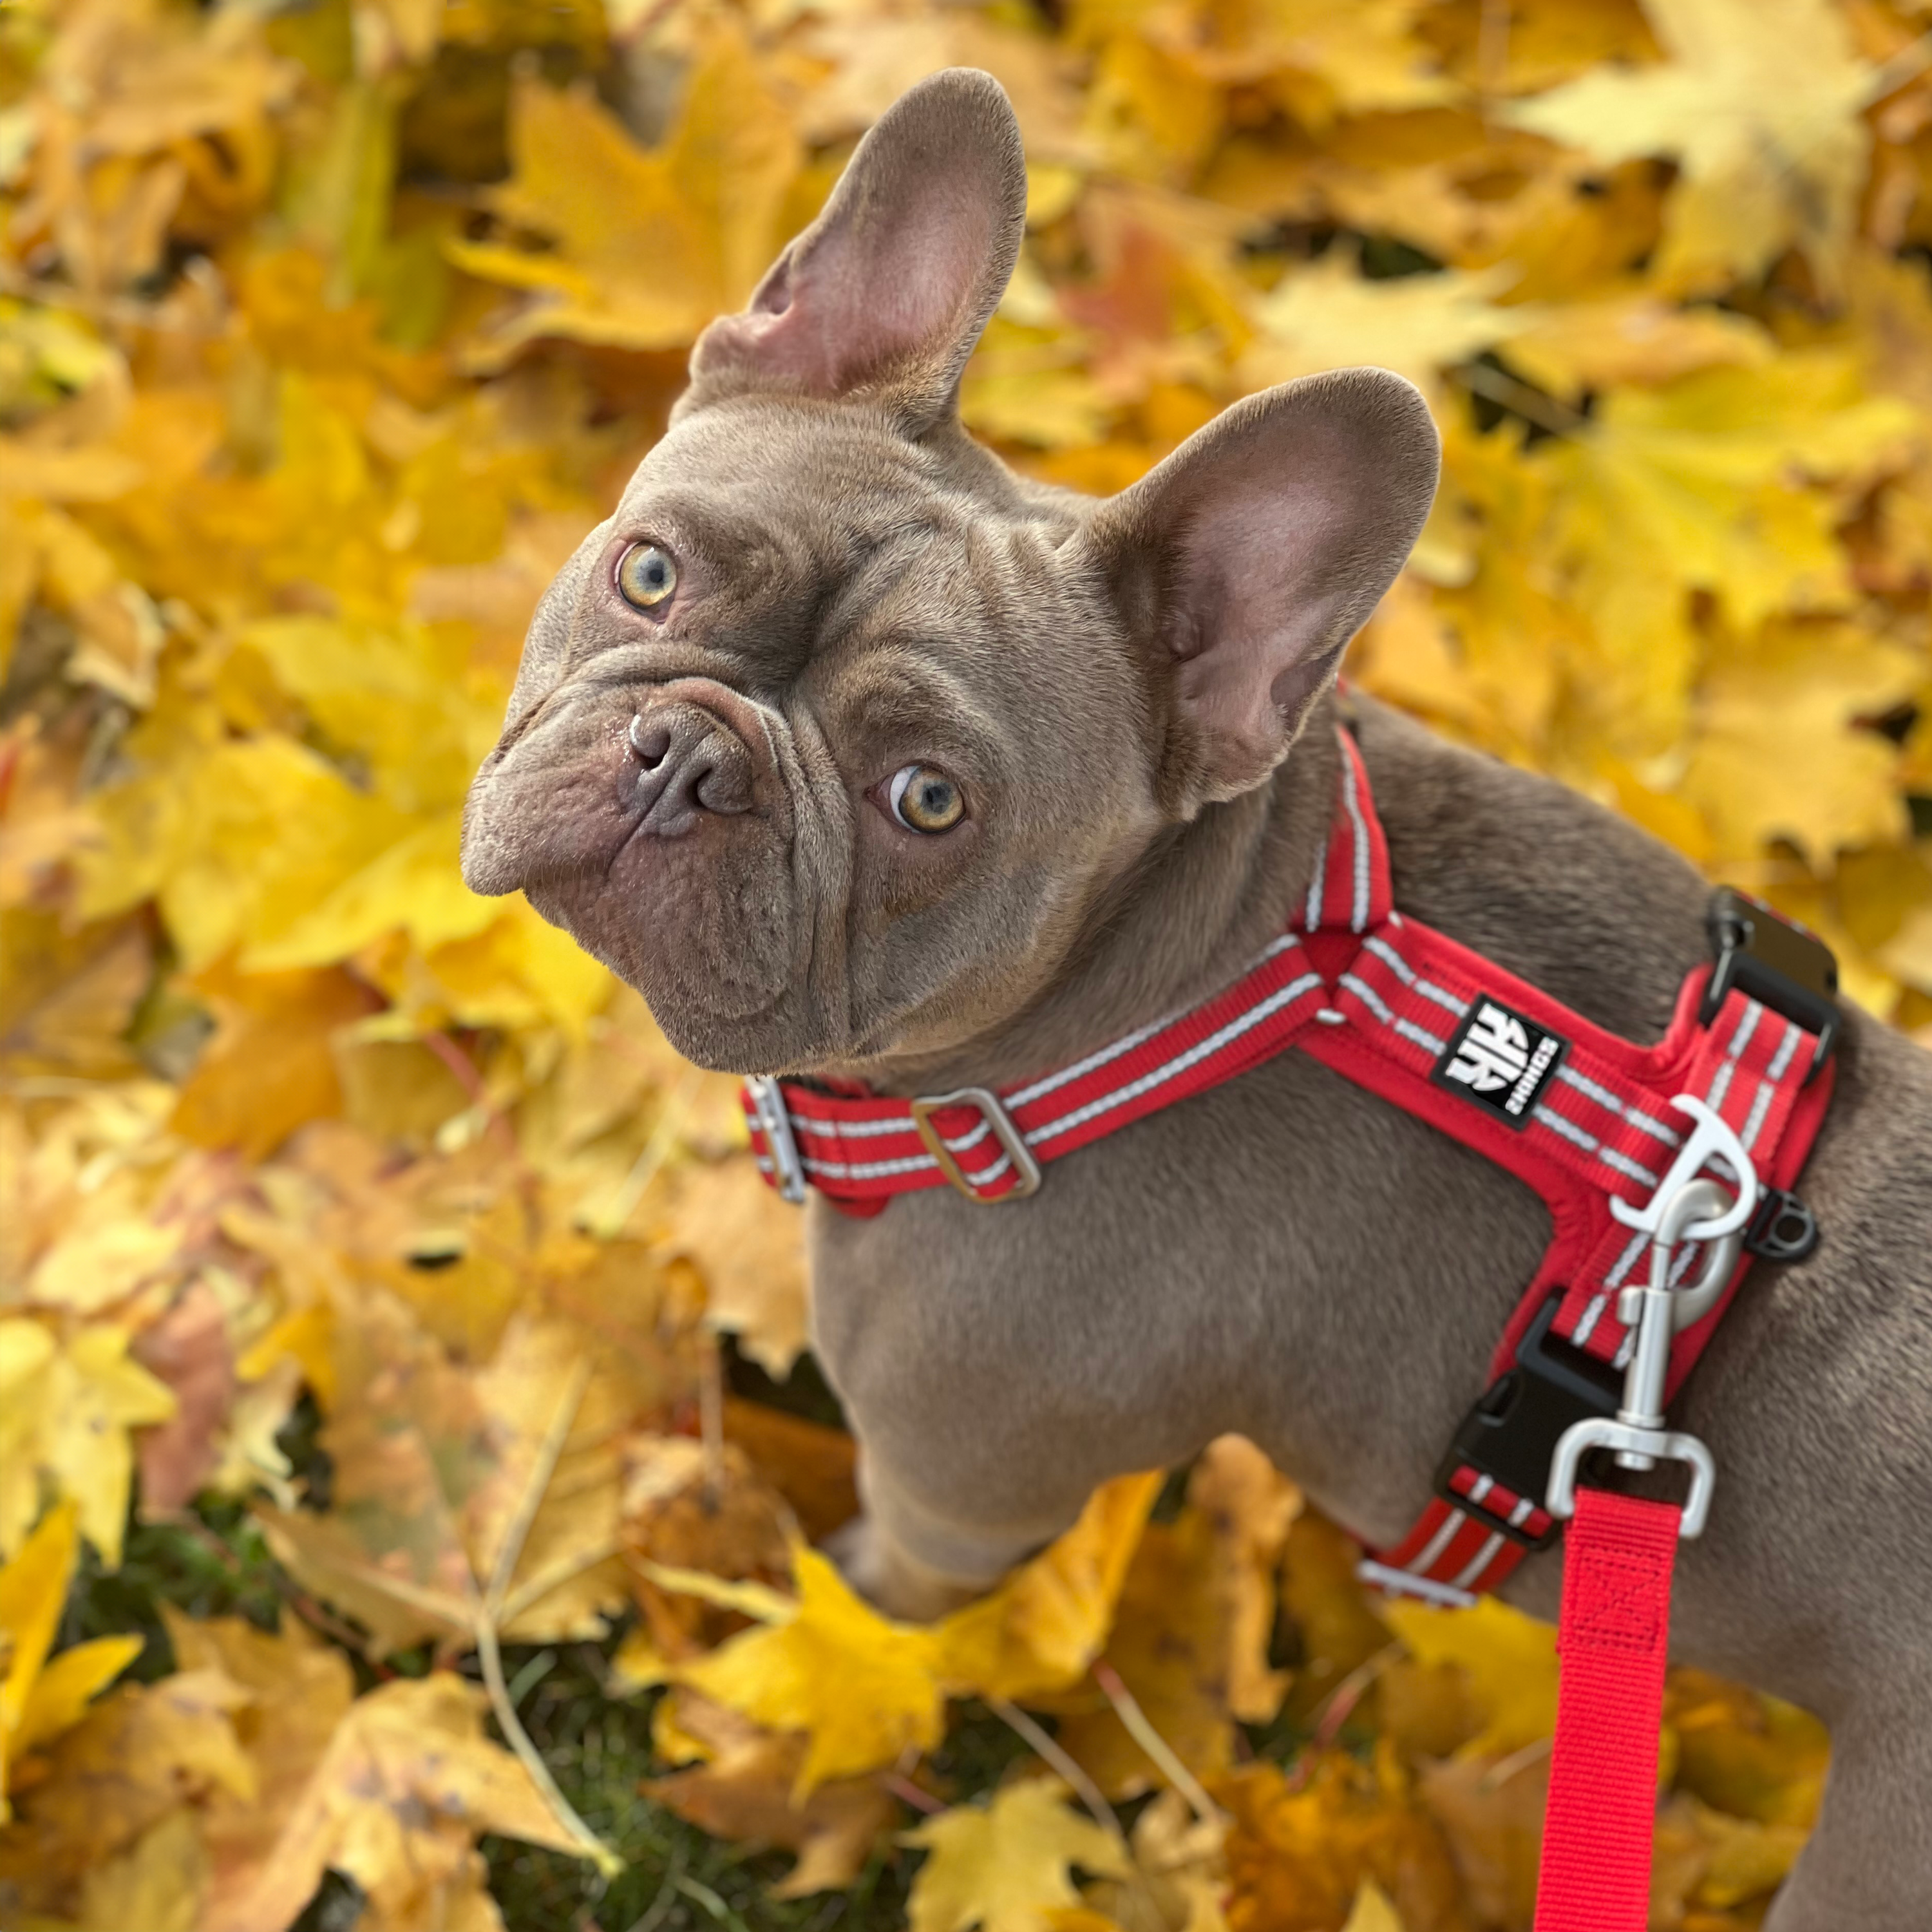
[
  {"x": 812, "y": 1467},
  {"x": 744, "y": 1793},
  {"x": 1297, "y": 1855},
  {"x": 1491, "y": 1811},
  {"x": 406, "y": 1784},
  {"x": 749, "y": 1246},
  {"x": 681, "y": 1511},
  {"x": 187, "y": 1350},
  {"x": 140, "y": 1753}
]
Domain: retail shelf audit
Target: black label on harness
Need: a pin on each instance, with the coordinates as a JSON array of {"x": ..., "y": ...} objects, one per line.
[{"x": 1500, "y": 1060}]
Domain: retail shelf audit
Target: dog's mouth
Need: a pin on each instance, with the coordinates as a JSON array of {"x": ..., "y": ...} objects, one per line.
[{"x": 656, "y": 823}]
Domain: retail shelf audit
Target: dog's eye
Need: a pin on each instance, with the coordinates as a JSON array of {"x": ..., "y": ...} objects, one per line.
[
  {"x": 646, "y": 575},
  {"x": 925, "y": 800}
]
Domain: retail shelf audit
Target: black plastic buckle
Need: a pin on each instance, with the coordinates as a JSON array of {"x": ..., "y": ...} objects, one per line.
[
  {"x": 1762, "y": 953},
  {"x": 1783, "y": 1229},
  {"x": 1511, "y": 1436}
]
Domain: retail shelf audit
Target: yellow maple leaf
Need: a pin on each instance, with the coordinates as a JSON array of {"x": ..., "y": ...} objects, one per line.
[
  {"x": 238, "y": 844},
  {"x": 1006, "y": 1865},
  {"x": 158, "y": 1883},
  {"x": 41, "y": 1697},
  {"x": 1511, "y": 1662},
  {"x": 1744, "y": 1753},
  {"x": 1789, "y": 700},
  {"x": 1760, "y": 102},
  {"x": 298, "y": 1690},
  {"x": 650, "y": 246},
  {"x": 750, "y": 1247},
  {"x": 69, "y": 1409},
  {"x": 1712, "y": 483},
  {"x": 861, "y": 1686},
  {"x": 1190, "y": 1638},
  {"x": 1298, "y": 1854},
  {"x": 136, "y": 1756},
  {"x": 1632, "y": 337},
  {"x": 407, "y": 1783},
  {"x": 1366, "y": 58},
  {"x": 1329, "y": 316},
  {"x": 1169, "y": 1646},
  {"x": 1039, "y": 1630},
  {"x": 437, "y": 1464}
]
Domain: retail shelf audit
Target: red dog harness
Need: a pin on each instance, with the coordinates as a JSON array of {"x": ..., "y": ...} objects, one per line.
[{"x": 1663, "y": 1169}]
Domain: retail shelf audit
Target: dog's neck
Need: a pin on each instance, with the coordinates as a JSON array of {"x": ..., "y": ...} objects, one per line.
[{"x": 1183, "y": 920}]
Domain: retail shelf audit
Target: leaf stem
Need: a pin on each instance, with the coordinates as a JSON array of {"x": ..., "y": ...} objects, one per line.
[
  {"x": 1546, "y": 412},
  {"x": 1045, "y": 1746},
  {"x": 1049, "y": 1749},
  {"x": 608, "y": 1864},
  {"x": 536, "y": 1486},
  {"x": 1126, "y": 1708},
  {"x": 489, "y": 1648},
  {"x": 1910, "y": 61}
]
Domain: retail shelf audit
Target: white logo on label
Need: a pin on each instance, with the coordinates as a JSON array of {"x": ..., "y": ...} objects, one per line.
[{"x": 1494, "y": 1053}]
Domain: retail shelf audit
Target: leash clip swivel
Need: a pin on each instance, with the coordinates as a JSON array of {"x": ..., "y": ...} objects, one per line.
[{"x": 1654, "y": 1312}]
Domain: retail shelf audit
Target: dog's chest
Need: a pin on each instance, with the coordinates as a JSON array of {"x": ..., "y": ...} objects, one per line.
[{"x": 1284, "y": 1256}]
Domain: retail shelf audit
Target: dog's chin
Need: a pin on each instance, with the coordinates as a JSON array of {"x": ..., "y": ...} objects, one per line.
[{"x": 715, "y": 952}]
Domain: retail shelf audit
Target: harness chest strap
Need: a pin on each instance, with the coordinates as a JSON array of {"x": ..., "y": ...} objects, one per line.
[{"x": 1596, "y": 1124}]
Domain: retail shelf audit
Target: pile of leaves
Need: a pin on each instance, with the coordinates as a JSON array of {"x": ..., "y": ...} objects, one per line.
[{"x": 381, "y": 1299}]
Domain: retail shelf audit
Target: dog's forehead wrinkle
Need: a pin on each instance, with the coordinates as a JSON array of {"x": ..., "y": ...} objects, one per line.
[
  {"x": 886, "y": 693},
  {"x": 888, "y": 578}
]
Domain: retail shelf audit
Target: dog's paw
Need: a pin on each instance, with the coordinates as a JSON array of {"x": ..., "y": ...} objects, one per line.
[{"x": 891, "y": 1579}]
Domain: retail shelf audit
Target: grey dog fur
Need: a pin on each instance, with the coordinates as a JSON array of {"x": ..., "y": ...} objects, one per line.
[{"x": 1137, "y": 695}]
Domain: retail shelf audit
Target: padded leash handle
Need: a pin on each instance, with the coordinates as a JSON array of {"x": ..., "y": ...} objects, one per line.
[{"x": 1612, "y": 1641}]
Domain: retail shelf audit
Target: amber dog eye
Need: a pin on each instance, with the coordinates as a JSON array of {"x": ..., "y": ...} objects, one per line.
[
  {"x": 646, "y": 575},
  {"x": 925, "y": 800}
]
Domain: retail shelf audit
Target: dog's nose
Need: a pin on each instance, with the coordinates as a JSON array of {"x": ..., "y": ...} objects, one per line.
[{"x": 689, "y": 763}]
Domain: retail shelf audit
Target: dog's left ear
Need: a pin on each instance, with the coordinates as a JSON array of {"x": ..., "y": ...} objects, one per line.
[
  {"x": 1244, "y": 562},
  {"x": 887, "y": 292}
]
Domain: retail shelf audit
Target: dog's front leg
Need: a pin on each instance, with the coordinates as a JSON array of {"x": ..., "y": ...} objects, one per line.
[
  {"x": 995, "y": 1367},
  {"x": 914, "y": 1562}
]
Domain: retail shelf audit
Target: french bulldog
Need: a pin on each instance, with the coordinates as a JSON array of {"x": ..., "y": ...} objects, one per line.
[{"x": 1117, "y": 720}]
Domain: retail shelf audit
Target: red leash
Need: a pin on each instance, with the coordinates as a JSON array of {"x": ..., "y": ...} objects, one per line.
[{"x": 1612, "y": 1641}]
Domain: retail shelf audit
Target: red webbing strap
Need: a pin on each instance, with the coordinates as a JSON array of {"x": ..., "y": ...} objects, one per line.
[
  {"x": 1612, "y": 1642},
  {"x": 860, "y": 1151}
]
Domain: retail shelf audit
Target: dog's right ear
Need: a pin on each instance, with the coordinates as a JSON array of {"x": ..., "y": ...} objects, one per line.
[{"x": 887, "y": 292}]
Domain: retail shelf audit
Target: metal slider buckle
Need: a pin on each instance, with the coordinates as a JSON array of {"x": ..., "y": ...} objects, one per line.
[
  {"x": 1637, "y": 1434},
  {"x": 1026, "y": 1169},
  {"x": 1511, "y": 1436},
  {"x": 775, "y": 1124},
  {"x": 1785, "y": 967}
]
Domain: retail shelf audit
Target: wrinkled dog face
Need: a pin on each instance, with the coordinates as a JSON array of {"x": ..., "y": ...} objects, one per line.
[
  {"x": 786, "y": 799},
  {"x": 830, "y": 738}
]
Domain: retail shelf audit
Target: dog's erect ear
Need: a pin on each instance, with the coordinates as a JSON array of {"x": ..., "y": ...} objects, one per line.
[
  {"x": 1246, "y": 561},
  {"x": 890, "y": 287}
]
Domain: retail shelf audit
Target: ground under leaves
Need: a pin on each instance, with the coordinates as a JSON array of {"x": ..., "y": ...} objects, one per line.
[{"x": 408, "y": 1474}]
